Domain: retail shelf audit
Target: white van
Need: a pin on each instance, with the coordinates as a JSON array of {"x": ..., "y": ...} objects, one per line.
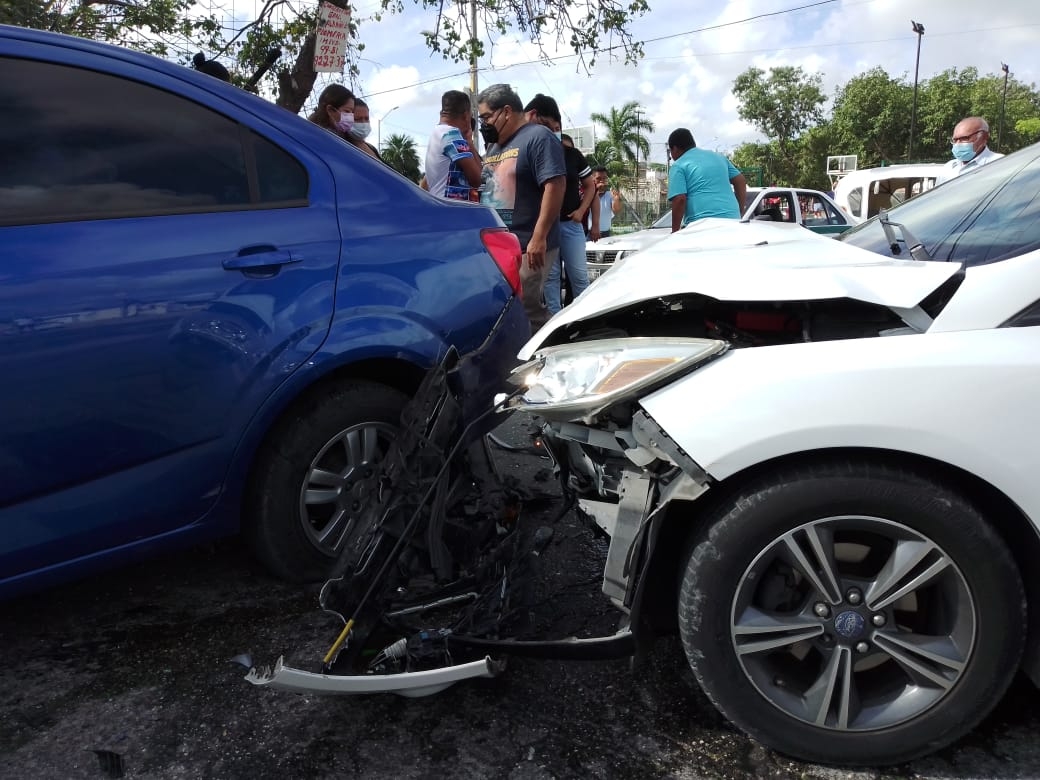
[{"x": 861, "y": 194}]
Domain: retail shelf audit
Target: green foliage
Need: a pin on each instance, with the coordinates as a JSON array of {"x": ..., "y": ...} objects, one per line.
[
  {"x": 399, "y": 152},
  {"x": 626, "y": 130},
  {"x": 145, "y": 25},
  {"x": 871, "y": 118},
  {"x": 1028, "y": 129},
  {"x": 782, "y": 104},
  {"x": 586, "y": 26}
]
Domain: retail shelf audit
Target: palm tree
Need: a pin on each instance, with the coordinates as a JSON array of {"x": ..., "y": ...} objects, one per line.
[
  {"x": 609, "y": 157},
  {"x": 400, "y": 154},
  {"x": 626, "y": 131}
]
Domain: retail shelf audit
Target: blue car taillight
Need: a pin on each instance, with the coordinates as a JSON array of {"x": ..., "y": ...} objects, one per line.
[{"x": 504, "y": 248}]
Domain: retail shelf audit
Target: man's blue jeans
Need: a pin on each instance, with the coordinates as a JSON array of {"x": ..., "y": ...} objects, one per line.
[{"x": 572, "y": 258}]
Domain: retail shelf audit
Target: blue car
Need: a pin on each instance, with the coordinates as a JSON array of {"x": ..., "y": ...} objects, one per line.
[{"x": 211, "y": 314}]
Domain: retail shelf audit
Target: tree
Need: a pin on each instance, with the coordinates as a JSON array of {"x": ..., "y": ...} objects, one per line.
[
  {"x": 399, "y": 153},
  {"x": 870, "y": 118},
  {"x": 610, "y": 158},
  {"x": 145, "y": 25},
  {"x": 1028, "y": 129},
  {"x": 626, "y": 131},
  {"x": 588, "y": 27},
  {"x": 781, "y": 105}
]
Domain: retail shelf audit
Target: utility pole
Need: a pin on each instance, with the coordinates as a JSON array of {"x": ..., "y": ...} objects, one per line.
[
  {"x": 919, "y": 29},
  {"x": 473, "y": 92},
  {"x": 1003, "y": 101},
  {"x": 635, "y": 174},
  {"x": 473, "y": 46},
  {"x": 379, "y": 127}
]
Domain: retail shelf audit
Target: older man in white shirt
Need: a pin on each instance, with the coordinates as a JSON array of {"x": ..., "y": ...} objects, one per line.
[{"x": 969, "y": 148}]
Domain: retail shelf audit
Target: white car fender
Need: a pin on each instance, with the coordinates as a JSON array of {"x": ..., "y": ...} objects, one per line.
[
  {"x": 991, "y": 294},
  {"x": 915, "y": 394}
]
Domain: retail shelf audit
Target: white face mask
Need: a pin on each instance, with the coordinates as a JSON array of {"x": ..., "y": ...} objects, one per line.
[
  {"x": 345, "y": 121},
  {"x": 361, "y": 130}
]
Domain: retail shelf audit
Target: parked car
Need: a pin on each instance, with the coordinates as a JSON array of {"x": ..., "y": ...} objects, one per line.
[
  {"x": 211, "y": 314},
  {"x": 810, "y": 208},
  {"x": 862, "y": 194},
  {"x": 817, "y": 461}
]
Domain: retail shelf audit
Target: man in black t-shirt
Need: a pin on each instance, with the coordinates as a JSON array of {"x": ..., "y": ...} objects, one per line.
[
  {"x": 578, "y": 199},
  {"x": 524, "y": 179}
]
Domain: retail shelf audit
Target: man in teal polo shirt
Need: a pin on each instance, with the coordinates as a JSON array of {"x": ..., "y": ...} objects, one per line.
[{"x": 701, "y": 183}]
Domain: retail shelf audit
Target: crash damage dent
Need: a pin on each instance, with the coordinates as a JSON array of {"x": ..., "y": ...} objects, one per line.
[
  {"x": 625, "y": 496},
  {"x": 760, "y": 268},
  {"x": 435, "y": 580}
]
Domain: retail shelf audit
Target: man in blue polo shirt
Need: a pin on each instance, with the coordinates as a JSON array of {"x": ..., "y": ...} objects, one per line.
[{"x": 701, "y": 183}]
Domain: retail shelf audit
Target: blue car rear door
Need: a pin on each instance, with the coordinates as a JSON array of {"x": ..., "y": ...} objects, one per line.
[{"x": 166, "y": 260}]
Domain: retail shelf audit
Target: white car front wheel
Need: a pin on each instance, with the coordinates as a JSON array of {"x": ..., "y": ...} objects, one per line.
[{"x": 852, "y": 613}]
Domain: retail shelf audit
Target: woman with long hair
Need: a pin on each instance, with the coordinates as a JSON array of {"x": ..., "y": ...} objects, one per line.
[{"x": 335, "y": 112}]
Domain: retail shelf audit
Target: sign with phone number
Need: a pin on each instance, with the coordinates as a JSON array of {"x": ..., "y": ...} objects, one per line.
[{"x": 330, "y": 47}]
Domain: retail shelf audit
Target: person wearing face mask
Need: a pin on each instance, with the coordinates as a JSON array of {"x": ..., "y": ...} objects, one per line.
[
  {"x": 362, "y": 129},
  {"x": 335, "y": 112},
  {"x": 524, "y": 179},
  {"x": 969, "y": 147},
  {"x": 578, "y": 199}
]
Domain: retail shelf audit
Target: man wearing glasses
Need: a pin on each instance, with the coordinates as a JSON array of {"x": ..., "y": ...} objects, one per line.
[
  {"x": 524, "y": 179},
  {"x": 969, "y": 148}
]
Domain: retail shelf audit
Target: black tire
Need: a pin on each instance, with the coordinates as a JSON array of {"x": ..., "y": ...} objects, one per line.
[
  {"x": 736, "y": 572},
  {"x": 281, "y": 526}
]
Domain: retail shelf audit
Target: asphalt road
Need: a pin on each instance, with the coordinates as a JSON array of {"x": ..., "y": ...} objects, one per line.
[{"x": 130, "y": 671}]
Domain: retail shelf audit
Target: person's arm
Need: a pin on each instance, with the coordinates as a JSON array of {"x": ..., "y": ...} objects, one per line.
[
  {"x": 740, "y": 190},
  {"x": 548, "y": 214},
  {"x": 677, "y": 195},
  {"x": 590, "y": 200},
  {"x": 472, "y": 167},
  {"x": 678, "y": 211},
  {"x": 424, "y": 184},
  {"x": 615, "y": 202}
]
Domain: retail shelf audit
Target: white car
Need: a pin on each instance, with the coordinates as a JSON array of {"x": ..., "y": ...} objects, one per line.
[
  {"x": 811, "y": 208},
  {"x": 817, "y": 461},
  {"x": 861, "y": 194}
]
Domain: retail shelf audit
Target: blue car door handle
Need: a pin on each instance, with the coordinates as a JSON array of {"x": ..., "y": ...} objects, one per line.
[{"x": 259, "y": 257}]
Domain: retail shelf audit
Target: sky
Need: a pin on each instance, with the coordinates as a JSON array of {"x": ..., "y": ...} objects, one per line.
[{"x": 686, "y": 75}]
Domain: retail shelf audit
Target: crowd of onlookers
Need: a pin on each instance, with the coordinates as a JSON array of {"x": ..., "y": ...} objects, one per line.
[{"x": 544, "y": 188}]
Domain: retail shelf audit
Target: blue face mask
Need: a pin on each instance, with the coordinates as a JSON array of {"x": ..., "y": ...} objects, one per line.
[{"x": 964, "y": 151}]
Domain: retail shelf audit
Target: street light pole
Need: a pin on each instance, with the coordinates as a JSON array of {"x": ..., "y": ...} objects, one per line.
[
  {"x": 379, "y": 128},
  {"x": 1003, "y": 101},
  {"x": 919, "y": 29}
]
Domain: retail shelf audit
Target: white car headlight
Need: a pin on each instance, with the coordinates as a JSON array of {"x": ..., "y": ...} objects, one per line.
[{"x": 576, "y": 381}]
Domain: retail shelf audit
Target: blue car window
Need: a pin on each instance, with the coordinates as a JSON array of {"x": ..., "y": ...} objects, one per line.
[
  {"x": 78, "y": 144},
  {"x": 280, "y": 177},
  {"x": 981, "y": 217}
]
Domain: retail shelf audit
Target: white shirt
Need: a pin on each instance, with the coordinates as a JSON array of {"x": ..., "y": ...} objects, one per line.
[
  {"x": 606, "y": 211},
  {"x": 443, "y": 176},
  {"x": 955, "y": 168}
]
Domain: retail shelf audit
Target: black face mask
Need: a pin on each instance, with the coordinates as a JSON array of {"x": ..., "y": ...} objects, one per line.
[{"x": 489, "y": 133}]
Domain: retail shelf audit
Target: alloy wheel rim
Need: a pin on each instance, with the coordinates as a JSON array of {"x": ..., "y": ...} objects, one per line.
[
  {"x": 340, "y": 482},
  {"x": 853, "y": 623}
]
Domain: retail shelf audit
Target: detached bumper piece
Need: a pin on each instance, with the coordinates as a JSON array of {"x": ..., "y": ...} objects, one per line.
[{"x": 410, "y": 684}]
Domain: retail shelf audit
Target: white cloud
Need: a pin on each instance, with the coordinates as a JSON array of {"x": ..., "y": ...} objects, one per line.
[{"x": 686, "y": 76}]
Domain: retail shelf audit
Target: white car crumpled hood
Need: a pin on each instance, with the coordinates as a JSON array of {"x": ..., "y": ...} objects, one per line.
[{"x": 752, "y": 261}]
